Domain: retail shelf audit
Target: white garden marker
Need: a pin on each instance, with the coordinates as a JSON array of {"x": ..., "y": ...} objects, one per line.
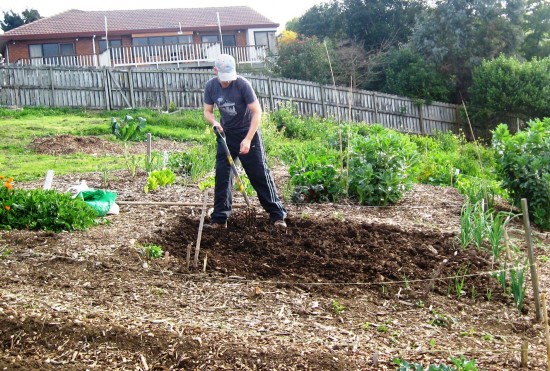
[{"x": 49, "y": 180}]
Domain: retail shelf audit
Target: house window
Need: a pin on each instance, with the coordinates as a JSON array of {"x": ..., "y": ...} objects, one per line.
[
  {"x": 112, "y": 44},
  {"x": 162, "y": 40},
  {"x": 228, "y": 40},
  {"x": 265, "y": 38},
  {"x": 50, "y": 53}
]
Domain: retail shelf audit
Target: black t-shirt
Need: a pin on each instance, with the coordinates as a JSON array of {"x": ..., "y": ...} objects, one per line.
[{"x": 232, "y": 101}]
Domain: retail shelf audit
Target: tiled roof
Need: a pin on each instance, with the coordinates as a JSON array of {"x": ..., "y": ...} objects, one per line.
[{"x": 118, "y": 21}]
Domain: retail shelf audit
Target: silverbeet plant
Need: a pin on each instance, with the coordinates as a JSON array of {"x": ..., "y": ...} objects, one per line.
[{"x": 129, "y": 129}]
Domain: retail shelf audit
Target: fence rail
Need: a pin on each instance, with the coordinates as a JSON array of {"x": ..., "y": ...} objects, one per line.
[{"x": 109, "y": 88}]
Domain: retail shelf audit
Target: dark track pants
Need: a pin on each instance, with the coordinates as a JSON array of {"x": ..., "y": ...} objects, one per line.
[{"x": 256, "y": 168}]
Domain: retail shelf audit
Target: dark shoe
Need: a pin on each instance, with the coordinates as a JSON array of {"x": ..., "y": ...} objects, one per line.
[
  {"x": 280, "y": 224},
  {"x": 214, "y": 225}
]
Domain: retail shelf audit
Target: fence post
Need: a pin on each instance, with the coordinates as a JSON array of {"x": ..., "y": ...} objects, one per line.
[
  {"x": 270, "y": 91},
  {"x": 421, "y": 118},
  {"x": 52, "y": 88},
  {"x": 375, "y": 103},
  {"x": 323, "y": 106},
  {"x": 107, "y": 89},
  {"x": 131, "y": 85},
  {"x": 164, "y": 84}
]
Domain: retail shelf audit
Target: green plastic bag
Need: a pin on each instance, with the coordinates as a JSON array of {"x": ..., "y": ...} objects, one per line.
[{"x": 98, "y": 199}]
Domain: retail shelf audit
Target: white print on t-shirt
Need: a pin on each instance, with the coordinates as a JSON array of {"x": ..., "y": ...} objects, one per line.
[{"x": 227, "y": 107}]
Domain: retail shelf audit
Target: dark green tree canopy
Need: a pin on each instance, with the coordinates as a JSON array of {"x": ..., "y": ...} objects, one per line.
[
  {"x": 371, "y": 23},
  {"x": 13, "y": 20},
  {"x": 537, "y": 30},
  {"x": 457, "y": 35}
]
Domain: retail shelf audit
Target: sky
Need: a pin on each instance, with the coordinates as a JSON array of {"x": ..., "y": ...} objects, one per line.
[{"x": 280, "y": 11}]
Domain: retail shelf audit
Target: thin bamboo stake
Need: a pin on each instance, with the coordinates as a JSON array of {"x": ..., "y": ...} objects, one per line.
[
  {"x": 201, "y": 225},
  {"x": 149, "y": 150},
  {"x": 546, "y": 331},
  {"x": 532, "y": 261},
  {"x": 338, "y": 114}
]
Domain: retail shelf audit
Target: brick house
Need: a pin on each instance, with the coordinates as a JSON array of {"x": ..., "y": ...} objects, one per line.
[{"x": 152, "y": 37}]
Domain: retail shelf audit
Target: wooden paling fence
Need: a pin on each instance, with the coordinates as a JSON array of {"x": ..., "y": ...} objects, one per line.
[{"x": 108, "y": 88}]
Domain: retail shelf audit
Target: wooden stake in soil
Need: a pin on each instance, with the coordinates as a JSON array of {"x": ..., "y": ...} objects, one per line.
[
  {"x": 546, "y": 331},
  {"x": 532, "y": 261},
  {"x": 203, "y": 214},
  {"x": 524, "y": 353},
  {"x": 149, "y": 150}
]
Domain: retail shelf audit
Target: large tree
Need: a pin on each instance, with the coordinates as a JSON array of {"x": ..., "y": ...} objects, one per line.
[
  {"x": 13, "y": 20},
  {"x": 457, "y": 35},
  {"x": 371, "y": 23},
  {"x": 537, "y": 30}
]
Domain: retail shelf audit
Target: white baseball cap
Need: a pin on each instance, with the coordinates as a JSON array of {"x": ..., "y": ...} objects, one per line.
[{"x": 225, "y": 64}]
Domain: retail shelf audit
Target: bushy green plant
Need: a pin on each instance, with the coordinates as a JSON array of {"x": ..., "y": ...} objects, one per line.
[
  {"x": 128, "y": 129},
  {"x": 316, "y": 179},
  {"x": 152, "y": 251},
  {"x": 181, "y": 163},
  {"x": 39, "y": 209},
  {"x": 159, "y": 178},
  {"x": 380, "y": 166},
  {"x": 524, "y": 164},
  {"x": 297, "y": 127},
  {"x": 446, "y": 157}
]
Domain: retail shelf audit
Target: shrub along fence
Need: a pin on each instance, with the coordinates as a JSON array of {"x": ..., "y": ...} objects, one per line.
[{"x": 108, "y": 88}]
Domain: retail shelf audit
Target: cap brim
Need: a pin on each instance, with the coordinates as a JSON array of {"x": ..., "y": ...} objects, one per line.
[{"x": 231, "y": 76}]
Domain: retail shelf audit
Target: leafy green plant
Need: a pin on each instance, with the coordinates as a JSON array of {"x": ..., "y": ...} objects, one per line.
[
  {"x": 172, "y": 107},
  {"x": 441, "y": 319},
  {"x": 159, "y": 178},
  {"x": 42, "y": 209},
  {"x": 5, "y": 252},
  {"x": 460, "y": 364},
  {"x": 524, "y": 164},
  {"x": 181, "y": 163},
  {"x": 380, "y": 166},
  {"x": 128, "y": 128},
  {"x": 152, "y": 251},
  {"x": 208, "y": 182},
  {"x": 316, "y": 179},
  {"x": 337, "y": 307}
]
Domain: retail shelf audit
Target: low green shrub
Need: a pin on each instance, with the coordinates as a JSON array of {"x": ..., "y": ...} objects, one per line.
[{"x": 39, "y": 209}]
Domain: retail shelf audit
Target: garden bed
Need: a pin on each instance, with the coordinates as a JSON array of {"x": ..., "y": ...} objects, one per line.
[{"x": 345, "y": 287}]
